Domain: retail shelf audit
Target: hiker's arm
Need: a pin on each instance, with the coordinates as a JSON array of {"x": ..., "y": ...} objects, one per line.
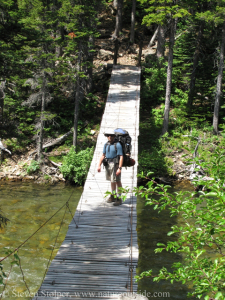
[
  {"x": 100, "y": 162},
  {"x": 120, "y": 165}
]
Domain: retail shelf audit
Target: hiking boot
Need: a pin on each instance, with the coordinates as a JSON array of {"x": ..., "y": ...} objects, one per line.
[
  {"x": 111, "y": 199},
  {"x": 117, "y": 202}
]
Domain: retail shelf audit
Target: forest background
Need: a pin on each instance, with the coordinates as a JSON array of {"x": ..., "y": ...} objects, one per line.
[
  {"x": 52, "y": 78},
  {"x": 52, "y": 90}
]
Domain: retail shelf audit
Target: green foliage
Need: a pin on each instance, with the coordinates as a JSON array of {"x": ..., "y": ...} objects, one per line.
[
  {"x": 123, "y": 191},
  {"x": 33, "y": 167},
  {"x": 157, "y": 114},
  {"x": 201, "y": 237},
  {"x": 211, "y": 157},
  {"x": 13, "y": 144},
  {"x": 201, "y": 234},
  {"x": 214, "y": 14},
  {"x": 153, "y": 85},
  {"x": 32, "y": 34},
  {"x": 159, "y": 10},
  {"x": 154, "y": 161},
  {"x": 15, "y": 261},
  {"x": 47, "y": 177},
  {"x": 76, "y": 165}
]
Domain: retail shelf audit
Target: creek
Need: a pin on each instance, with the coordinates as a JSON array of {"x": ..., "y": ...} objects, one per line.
[{"x": 29, "y": 205}]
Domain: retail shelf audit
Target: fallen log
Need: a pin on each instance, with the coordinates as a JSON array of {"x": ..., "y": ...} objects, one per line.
[
  {"x": 153, "y": 37},
  {"x": 60, "y": 139},
  {"x": 55, "y": 142},
  {"x": 52, "y": 162}
]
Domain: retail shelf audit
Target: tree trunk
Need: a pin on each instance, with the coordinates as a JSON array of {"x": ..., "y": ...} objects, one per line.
[
  {"x": 118, "y": 27},
  {"x": 40, "y": 138},
  {"x": 161, "y": 41},
  {"x": 2, "y": 97},
  {"x": 58, "y": 48},
  {"x": 1, "y": 156},
  {"x": 77, "y": 98},
  {"x": 153, "y": 37},
  {"x": 90, "y": 65},
  {"x": 169, "y": 77},
  {"x": 219, "y": 85},
  {"x": 140, "y": 50},
  {"x": 132, "y": 30},
  {"x": 115, "y": 3},
  {"x": 116, "y": 49},
  {"x": 195, "y": 64}
]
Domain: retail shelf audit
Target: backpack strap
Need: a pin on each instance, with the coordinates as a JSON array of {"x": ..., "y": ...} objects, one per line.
[
  {"x": 106, "y": 146},
  {"x": 108, "y": 143}
]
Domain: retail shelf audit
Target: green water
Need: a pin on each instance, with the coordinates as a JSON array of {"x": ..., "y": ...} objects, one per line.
[{"x": 28, "y": 206}]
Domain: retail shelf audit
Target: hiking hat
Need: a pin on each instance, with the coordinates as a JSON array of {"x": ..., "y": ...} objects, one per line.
[{"x": 109, "y": 132}]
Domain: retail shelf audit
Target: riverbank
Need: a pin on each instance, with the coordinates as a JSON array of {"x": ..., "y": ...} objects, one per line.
[
  {"x": 168, "y": 168},
  {"x": 24, "y": 167},
  {"x": 168, "y": 158}
]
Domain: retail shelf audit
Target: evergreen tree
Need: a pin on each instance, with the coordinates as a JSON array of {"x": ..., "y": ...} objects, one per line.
[
  {"x": 216, "y": 15},
  {"x": 83, "y": 22},
  {"x": 15, "y": 36},
  {"x": 160, "y": 12}
]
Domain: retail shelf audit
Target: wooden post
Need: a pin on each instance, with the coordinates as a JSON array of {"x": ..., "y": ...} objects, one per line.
[{"x": 116, "y": 51}]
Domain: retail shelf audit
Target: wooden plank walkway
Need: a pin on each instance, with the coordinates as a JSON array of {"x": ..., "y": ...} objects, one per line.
[{"x": 98, "y": 257}]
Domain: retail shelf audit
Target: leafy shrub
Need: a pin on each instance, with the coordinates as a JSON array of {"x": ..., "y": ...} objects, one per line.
[
  {"x": 33, "y": 167},
  {"x": 153, "y": 161},
  {"x": 153, "y": 86},
  {"x": 201, "y": 238},
  {"x": 158, "y": 115},
  {"x": 47, "y": 177},
  {"x": 76, "y": 165},
  {"x": 13, "y": 144}
]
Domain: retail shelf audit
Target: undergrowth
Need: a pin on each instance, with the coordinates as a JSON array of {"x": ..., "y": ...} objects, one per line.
[
  {"x": 156, "y": 153},
  {"x": 76, "y": 165}
]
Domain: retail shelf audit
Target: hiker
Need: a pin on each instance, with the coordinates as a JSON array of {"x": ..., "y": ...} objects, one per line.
[{"x": 112, "y": 158}]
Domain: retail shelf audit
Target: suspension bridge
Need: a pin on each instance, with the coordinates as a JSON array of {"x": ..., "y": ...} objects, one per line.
[{"x": 99, "y": 255}]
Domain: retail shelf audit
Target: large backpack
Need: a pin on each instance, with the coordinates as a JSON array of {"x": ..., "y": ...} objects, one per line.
[{"x": 123, "y": 137}]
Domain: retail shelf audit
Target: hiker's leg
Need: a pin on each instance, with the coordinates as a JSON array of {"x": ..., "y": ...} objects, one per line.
[
  {"x": 110, "y": 175},
  {"x": 119, "y": 184},
  {"x": 119, "y": 198},
  {"x": 113, "y": 187}
]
